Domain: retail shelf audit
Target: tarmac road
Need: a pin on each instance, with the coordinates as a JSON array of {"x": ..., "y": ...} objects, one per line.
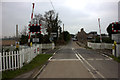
[{"x": 72, "y": 61}]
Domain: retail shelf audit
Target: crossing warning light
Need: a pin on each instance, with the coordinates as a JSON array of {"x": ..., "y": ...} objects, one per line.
[
  {"x": 116, "y": 27},
  {"x": 34, "y": 28}
]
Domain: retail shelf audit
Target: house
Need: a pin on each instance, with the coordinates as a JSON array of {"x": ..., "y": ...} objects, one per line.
[
  {"x": 91, "y": 36},
  {"x": 7, "y": 42},
  {"x": 82, "y": 36}
]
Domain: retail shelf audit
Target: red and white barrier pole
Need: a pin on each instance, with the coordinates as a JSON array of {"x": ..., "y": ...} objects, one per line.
[{"x": 31, "y": 20}]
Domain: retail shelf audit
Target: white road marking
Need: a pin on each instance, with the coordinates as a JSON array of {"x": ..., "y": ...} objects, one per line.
[
  {"x": 50, "y": 58},
  {"x": 78, "y": 57},
  {"x": 73, "y": 49},
  {"x": 106, "y": 56},
  {"x": 91, "y": 66},
  {"x": 39, "y": 71},
  {"x": 54, "y": 53},
  {"x": 91, "y": 59},
  {"x": 99, "y": 59},
  {"x": 64, "y": 60},
  {"x": 108, "y": 59},
  {"x": 85, "y": 66}
]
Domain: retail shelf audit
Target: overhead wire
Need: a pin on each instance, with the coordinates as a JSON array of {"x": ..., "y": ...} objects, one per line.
[{"x": 52, "y": 5}]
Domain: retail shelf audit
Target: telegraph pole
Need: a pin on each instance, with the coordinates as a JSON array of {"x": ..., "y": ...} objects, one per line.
[
  {"x": 100, "y": 30},
  {"x": 17, "y": 32}
]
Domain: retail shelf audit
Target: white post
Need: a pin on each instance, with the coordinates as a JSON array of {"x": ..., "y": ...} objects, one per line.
[
  {"x": 113, "y": 49},
  {"x": 53, "y": 45},
  {"x": 0, "y": 62},
  {"x": 18, "y": 59},
  {"x": 6, "y": 60},
  {"x": 23, "y": 55},
  {"x": 118, "y": 50},
  {"x": 3, "y": 60},
  {"x": 9, "y": 61},
  {"x": 12, "y": 61},
  {"x": 15, "y": 58},
  {"x": 20, "y": 52}
]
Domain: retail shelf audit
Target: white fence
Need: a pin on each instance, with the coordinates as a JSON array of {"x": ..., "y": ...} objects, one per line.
[
  {"x": 48, "y": 46},
  {"x": 15, "y": 59},
  {"x": 99, "y": 45}
]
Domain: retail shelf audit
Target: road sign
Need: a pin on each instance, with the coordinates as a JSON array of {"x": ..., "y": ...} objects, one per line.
[
  {"x": 35, "y": 39},
  {"x": 116, "y": 37},
  {"x": 54, "y": 34}
]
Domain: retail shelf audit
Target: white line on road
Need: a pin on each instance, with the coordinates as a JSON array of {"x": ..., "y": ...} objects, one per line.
[
  {"x": 106, "y": 56},
  {"x": 50, "y": 58},
  {"x": 91, "y": 66},
  {"x": 64, "y": 60},
  {"x": 91, "y": 59},
  {"x": 54, "y": 53},
  {"x": 85, "y": 66},
  {"x": 39, "y": 71},
  {"x": 98, "y": 59}
]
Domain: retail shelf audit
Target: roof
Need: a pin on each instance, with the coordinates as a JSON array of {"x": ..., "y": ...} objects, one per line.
[{"x": 7, "y": 42}]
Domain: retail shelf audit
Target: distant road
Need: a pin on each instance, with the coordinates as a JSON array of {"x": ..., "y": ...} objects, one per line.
[{"x": 72, "y": 61}]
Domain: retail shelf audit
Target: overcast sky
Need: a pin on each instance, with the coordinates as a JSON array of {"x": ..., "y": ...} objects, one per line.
[{"x": 75, "y": 14}]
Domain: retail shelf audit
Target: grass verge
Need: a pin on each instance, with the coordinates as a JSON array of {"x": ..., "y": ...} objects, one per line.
[
  {"x": 39, "y": 60},
  {"x": 116, "y": 58}
]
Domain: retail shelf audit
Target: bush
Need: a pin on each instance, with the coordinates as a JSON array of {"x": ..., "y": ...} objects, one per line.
[{"x": 104, "y": 39}]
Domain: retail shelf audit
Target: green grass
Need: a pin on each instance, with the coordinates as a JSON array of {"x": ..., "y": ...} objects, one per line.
[
  {"x": 116, "y": 58},
  {"x": 38, "y": 61}
]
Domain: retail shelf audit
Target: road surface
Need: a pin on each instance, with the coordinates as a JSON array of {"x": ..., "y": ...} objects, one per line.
[{"x": 74, "y": 62}]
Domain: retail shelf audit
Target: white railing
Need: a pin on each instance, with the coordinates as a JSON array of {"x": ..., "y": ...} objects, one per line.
[
  {"x": 99, "y": 45},
  {"x": 48, "y": 46}
]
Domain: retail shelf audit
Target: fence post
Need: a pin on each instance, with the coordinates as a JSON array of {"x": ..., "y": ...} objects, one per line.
[
  {"x": 9, "y": 61},
  {"x": 6, "y": 60},
  {"x": 3, "y": 60},
  {"x": 18, "y": 59},
  {"x": 15, "y": 58},
  {"x": 0, "y": 62},
  {"x": 23, "y": 51},
  {"x": 53, "y": 45},
  {"x": 12, "y": 61}
]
